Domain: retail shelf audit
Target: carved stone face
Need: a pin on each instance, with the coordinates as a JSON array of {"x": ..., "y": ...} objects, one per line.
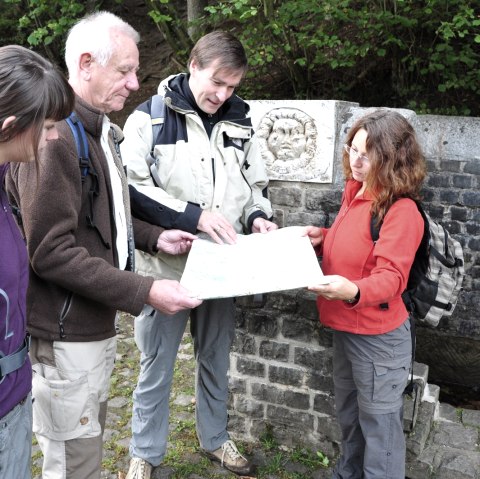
[{"x": 287, "y": 139}]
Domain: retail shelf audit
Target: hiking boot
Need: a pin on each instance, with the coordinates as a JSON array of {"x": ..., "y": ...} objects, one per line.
[
  {"x": 139, "y": 469},
  {"x": 229, "y": 458}
]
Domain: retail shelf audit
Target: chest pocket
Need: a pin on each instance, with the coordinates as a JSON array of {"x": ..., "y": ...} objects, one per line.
[
  {"x": 234, "y": 139},
  {"x": 229, "y": 142}
]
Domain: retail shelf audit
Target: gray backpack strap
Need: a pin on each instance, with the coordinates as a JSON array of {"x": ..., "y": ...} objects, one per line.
[
  {"x": 15, "y": 360},
  {"x": 157, "y": 114}
]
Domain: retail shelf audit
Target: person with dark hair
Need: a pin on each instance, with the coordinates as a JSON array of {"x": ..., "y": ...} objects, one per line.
[
  {"x": 81, "y": 253},
  {"x": 212, "y": 176},
  {"x": 33, "y": 96},
  {"x": 372, "y": 344}
]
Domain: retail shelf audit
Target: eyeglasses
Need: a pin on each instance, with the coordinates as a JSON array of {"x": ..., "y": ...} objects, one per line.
[{"x": 354, "y": 153}]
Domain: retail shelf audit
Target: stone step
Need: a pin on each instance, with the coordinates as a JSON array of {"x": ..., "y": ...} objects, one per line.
[
  {"x": 451, "y": 450},
  {"x": 411, "y": 402},
  {"x": 426, "y": 415}
]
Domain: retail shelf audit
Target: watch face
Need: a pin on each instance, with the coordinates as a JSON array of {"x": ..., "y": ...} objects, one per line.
[{"x": 353, "y": 300}]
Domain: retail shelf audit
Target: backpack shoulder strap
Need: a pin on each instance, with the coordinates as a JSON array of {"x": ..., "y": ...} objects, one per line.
[
  {"x": 157, "y": 115},
  {"x": 81, "y": 141},
  {"x": 375, "y": 233},
  {"x": 374, "y": 228},
  {"x": 86, "y": 167}
]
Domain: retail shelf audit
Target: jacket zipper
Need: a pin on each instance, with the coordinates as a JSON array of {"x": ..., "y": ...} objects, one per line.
[{"x": 63, "y": 314}]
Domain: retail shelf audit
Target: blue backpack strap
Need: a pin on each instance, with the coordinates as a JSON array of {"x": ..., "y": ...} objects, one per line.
[
  {"x": 81, "y": 141},
  {"x": 86, "y": 168}
]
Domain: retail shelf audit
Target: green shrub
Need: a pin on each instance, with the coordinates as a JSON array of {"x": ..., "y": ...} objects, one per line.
[
  {"x": 418, "y": 54},
  {"x": 423, "y": 55}
]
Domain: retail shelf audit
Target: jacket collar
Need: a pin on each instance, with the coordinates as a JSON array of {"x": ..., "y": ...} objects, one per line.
[
  {"x": 352, "y": 187},
  {"x": 91, "y": 117}
]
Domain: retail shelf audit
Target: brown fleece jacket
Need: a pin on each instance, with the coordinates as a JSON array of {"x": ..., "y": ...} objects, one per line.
[{"x": 75, "y": 285}]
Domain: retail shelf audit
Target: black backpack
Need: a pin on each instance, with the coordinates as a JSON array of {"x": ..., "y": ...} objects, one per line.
[
  {"x": 437, "y": 273},
  {"x": 434, "y": 282}
]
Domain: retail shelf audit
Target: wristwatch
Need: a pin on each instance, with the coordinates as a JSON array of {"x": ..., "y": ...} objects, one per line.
[{"x": 354, "y": 299}]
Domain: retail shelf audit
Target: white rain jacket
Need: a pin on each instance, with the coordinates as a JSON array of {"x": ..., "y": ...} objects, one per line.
[{"x": 224, "y": 173}]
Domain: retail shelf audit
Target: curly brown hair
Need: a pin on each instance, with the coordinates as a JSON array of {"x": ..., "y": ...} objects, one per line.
[{"x": 398, "y": 166}]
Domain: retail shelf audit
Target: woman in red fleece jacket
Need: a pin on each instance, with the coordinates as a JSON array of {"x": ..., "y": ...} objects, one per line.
[{"x": 384, "y": 170}]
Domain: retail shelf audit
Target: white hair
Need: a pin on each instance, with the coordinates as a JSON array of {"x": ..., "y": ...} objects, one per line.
[{"x": 93, "y": 34}]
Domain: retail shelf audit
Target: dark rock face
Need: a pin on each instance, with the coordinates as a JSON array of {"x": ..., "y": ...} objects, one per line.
[{"x": 453, "y": 360}]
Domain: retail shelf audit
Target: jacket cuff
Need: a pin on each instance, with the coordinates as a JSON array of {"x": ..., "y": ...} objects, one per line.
[
  {"x": 253, "y": 216},
  {"x": 147, "y": 209},
  {"x": 188, "y": 221}
]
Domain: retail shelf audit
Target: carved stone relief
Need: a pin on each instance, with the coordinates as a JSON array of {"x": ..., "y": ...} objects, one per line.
[{"x": 291, "y": 146}]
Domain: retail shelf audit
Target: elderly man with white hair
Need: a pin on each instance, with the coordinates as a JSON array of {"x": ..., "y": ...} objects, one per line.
[{"x": 80, "y": 240}]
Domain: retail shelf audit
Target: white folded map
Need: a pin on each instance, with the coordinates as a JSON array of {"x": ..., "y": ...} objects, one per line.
[{"x": 258, "y": 263}]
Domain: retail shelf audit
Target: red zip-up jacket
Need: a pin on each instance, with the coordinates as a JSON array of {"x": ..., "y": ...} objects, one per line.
[{"x": 380, "y": 271}]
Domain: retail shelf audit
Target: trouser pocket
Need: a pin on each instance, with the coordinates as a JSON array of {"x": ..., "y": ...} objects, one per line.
[
  {"x": 389, "y": 381},
  {"x": 63, "y": 407}
]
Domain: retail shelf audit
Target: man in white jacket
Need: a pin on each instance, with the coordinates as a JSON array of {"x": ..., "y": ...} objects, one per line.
[{"x": 208, "y": 173}]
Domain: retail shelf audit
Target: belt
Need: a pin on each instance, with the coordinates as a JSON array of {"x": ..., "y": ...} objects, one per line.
[{"x": 16, "y": 360}]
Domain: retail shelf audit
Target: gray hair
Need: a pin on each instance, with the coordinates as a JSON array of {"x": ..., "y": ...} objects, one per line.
[{"x": 93, "y": 34}]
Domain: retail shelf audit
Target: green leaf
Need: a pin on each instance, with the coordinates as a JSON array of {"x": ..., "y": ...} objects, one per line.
[{"x": 33, "y": 39}]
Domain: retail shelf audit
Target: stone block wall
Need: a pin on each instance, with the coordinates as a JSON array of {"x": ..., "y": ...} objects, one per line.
[
  {"x": 281, "y": 365},
  {"x": 281, "y": 381}
]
